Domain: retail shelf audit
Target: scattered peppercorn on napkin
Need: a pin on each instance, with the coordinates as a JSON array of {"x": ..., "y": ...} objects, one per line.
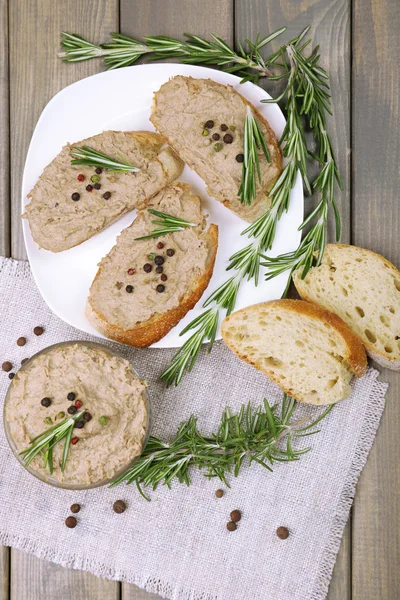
[{"x": 178, "y": 545}]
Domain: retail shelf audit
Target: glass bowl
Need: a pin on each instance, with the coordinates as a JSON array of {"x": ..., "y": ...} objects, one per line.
[{"x": 49, "y": 479}]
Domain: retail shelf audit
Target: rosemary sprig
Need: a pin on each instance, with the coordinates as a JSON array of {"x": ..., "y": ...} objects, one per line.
[
  {"x": 45, "y": 442},
  {"x": 92, "y": 158},
  {"x": 253, "y": 140},
  {"x": 167, "y": 223},
  {"x": 122, "y": 51},
  {"x": 264, "y": 435}
]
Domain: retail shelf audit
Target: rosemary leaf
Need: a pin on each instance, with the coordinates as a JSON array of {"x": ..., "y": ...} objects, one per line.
[
  {"x": 263, "y": 435},
  {"x": 92, "y": 158},
  {"x": 167, "y": 223}
]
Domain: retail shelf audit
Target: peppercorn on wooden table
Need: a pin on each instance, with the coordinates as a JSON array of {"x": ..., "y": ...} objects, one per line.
[{"x": 358, "y": 41}]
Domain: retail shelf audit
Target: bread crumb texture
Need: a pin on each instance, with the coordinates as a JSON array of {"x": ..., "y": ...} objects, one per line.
[
  {"x": 363, "y": 288},
  {"x": 298, "y": 347}
]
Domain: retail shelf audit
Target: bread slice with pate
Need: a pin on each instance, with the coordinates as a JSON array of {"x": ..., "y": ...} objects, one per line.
[
  {"x": 143, "y": 288},
  {"x": 308, "y": 351},
  {"x": 363, "y": 288},
  {"x": 204, "y": 122},
  {"x": 64, "y": 212}
]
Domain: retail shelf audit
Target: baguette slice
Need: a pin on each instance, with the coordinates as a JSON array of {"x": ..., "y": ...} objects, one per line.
[
  {"x": 58, "y": 223},
  {"x": 145, "y": 315},
  {"x": 363, "y": 288},
  {"x": 308, "y": 351},
  {"x": 181, "y": 108}
]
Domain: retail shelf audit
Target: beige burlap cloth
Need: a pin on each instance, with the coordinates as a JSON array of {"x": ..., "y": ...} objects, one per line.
[{"x": 177, "y": 545}]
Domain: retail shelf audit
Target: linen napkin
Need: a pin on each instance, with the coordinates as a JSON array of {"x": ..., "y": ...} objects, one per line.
[{"x": 177, "y": 545}]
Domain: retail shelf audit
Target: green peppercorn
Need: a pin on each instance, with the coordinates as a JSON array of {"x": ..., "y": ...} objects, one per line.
[
  {"x": 103, "y": 420},
  {"x": 218, "y": 147},
  {"x": 61, "y": 415},
  {"x": 232, "y": 127},
  {"x": 151, "y": 256},
  {"x": 48, "y": 421},
  {"x": 95, "y": 179},
  {"x": 205, "y": 132}
]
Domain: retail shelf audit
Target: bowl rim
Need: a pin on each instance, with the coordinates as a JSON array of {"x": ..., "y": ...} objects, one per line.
[{"x": 52, "y": 481}]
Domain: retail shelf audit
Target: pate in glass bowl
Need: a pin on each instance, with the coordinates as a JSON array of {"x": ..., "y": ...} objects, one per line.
[{"x": 92, "y": 394}]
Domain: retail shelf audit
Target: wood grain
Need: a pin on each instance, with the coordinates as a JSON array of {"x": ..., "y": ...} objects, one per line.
[
  {"x": 173, "y": 18},
  {"x": 4, "y": 572},
  {"x": 34, "y": 579},
  {"x": 37, "y": 72},
  {"x": 5, "y": 233},
  {"x": 331, "y": 29},
  {"x": 376, "y": 223}
]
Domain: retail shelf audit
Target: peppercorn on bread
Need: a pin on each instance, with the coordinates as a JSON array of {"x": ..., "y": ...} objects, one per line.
[
  {"x": 69, "y": 204},
  {"x": 308, "y": 351},
  {"x": 204, "y": 122},
  {"x": 363, "y": 288},
  {"x": 143, "y": 288}
]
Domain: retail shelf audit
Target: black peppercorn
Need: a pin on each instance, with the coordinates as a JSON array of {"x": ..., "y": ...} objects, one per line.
[
  {"x": 282, "y": 533},
  {"x": 159, "y": 269},
  {"x": 219, "y": 493},
  {"x": 38, "y": 330},
  {"x": 160, "y": 288},
  {"x": 159, "y": 260},
  {"x": 224, "y": 127},
  {"x": 147, "y": 267},
  {"x": 21, "y": 341},
  {"x": 11, "y": 375},
  {"x": 119, "y": 506},
  {"x": 209, "y": 124},
  {"x": 71, "y": 410},
  {"x": 231, "y": 526},
  {"x": 236, "y": 515},
  {"x": 71, "y": 396},
  {"x": 6, "y": 366},
  {"x": 107, "y": 195},
  {"x": 129, "y": 289},
  {"x": 89, "y": 188},
  {"x": 239, "y": 158},
  {"x": 97, "y": 186},
  {"x": 170, "y": 252},
  {"x": 87, "y": 417},
  {"x": 45, "y": 402},
  {"x": 228, "y": 138},
  {"x": 80, "y": 424},
  {"x": 71, "y": 522},
  {"x": 99, "y": 170},
  {"x": 75, "y": 196},
  {"x": 75, "y": 508},
  {"x": 164, "y": 277},
  {"x": 215, "y": 136}
]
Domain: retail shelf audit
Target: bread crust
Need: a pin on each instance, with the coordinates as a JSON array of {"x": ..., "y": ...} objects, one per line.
[
  {"x": 356, "y": 359},
  {"x": 157, "y": 327},
  {"x": 260, "y": 208},
  {"x": 378, "y": 356}
]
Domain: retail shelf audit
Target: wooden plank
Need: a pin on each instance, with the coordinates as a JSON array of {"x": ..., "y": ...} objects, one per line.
[
  {"x": 173, "y": 18},
  {"x": 376, "y": 223},
  {"x": 4, "y": 572},
  {"x": 37, "y": 73},
  {"x": 331, "y": 29},
  {"x": 40, "y": 580},
  {"x": 4, "y": 134}
]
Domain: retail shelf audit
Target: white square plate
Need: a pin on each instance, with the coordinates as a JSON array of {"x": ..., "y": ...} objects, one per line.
[{"x": 122, "y": 100}]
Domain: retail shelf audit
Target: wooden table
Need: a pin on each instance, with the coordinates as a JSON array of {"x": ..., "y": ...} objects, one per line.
[{"x": 359, "y": 45}]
